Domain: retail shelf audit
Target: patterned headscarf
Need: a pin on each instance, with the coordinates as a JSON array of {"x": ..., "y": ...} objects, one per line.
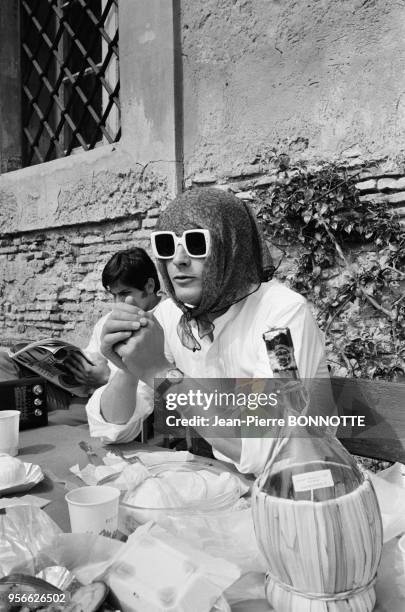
[{"x": 238, "y": 261}]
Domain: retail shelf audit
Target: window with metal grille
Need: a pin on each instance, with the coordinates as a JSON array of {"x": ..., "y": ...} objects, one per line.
[{"x": 70, "y": 77}]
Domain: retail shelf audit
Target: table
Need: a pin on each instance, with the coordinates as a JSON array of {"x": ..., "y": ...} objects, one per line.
[{"x": 55, "y": 448}]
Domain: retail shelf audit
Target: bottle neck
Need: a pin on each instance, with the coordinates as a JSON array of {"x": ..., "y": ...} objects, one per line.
[
  {"x": 291, "y": 374},
  {"x": 280, "y": 353}
]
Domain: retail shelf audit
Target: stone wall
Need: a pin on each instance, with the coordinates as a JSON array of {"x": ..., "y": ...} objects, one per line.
[
  {"x": 380, "y": 180},
  {"x": 51, "y": 281}
]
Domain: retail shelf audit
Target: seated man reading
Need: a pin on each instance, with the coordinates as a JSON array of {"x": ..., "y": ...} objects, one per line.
[{"x": 129, "y": 272}]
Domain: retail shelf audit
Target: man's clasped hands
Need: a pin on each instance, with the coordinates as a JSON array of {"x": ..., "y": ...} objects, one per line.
[{"x": 134, "y": 341}]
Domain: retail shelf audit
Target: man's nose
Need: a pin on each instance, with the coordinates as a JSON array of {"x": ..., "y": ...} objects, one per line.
[{"x": 181, "y": 257}]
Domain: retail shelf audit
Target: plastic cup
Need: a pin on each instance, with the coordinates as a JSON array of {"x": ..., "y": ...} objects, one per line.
[
  {"x": 94, "y": 510},
  {"x": 9, "y": 428},
  {"x": 401, "y": 546}
]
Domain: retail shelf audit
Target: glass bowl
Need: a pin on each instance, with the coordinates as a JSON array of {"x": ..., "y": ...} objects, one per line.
[{"x": 131, "y": 516}]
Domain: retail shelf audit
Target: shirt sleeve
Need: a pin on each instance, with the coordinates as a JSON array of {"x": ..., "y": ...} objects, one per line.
[
  {"x": 309, "y": 344},
  {"x": 161, "y": 315},
  {"x": 253, "y": 456},
  {"x": 111, "y": 432},
  {"x": 94, "y": 343}
]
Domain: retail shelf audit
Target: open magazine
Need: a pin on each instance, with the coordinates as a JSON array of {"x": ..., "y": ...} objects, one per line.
[{"x": 47, "y": 359}]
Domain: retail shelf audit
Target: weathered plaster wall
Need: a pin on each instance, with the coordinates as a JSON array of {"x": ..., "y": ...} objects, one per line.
[
  {"x": 313, "y": 79},
  {"x": 95, "y": 186}
]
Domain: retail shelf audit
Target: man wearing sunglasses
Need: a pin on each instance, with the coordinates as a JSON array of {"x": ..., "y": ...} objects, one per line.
[
  {"x": 184, "y": 265},
  {"x": 218, "y": 273}
]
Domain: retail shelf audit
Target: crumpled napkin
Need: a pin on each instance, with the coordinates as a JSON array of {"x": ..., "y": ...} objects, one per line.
[
  {"x": 26, "y": 500},
  {"x": 131, "y": 474},
  {"x": 153, "y": 458}
]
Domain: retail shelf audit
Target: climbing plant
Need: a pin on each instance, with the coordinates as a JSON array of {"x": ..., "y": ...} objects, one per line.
[{"x": 347, "y": 255}]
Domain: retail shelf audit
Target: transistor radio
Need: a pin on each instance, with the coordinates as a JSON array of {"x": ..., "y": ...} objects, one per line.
[{"x": 28, "y": 395}]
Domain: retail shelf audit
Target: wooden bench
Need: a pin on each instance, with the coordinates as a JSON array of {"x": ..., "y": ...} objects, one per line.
[
  {"x": 381, "y": 403},
  {"x": 383, "y": 406}
]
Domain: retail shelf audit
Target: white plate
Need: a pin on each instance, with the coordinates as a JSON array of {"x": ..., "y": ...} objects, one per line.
[{"x": 33, "y": 475}]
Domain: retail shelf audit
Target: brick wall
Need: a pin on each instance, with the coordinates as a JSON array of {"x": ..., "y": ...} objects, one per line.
[
  {"x": 51, "y": 281},
  {"x": 377, "y": 181}
]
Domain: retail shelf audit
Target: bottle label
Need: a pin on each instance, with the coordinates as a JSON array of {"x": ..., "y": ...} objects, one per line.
[
  {"x": 283, "y": 355},
  {"x": 312, "y": 480},
  {"x": 280, "y": 349}
]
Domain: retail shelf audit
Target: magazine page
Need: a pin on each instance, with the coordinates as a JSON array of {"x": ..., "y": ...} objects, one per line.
[
  {"x": 59, "y": 348},
  {"x": 47, "y": 358}
]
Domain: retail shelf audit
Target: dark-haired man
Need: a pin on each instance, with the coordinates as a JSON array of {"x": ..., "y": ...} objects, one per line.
[
  {"x": 132, "y": 273},
  {"x": 128, "y": 275}
]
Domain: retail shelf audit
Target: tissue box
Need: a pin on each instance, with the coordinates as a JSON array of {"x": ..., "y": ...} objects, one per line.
[{"x": 150, "y": 575}]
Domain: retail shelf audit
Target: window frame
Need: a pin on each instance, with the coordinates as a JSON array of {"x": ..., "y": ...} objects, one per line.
[{"x": 62, "y": 136}]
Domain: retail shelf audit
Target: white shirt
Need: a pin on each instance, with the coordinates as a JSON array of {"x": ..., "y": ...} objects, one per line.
[
  {"x": 238, "y": 351},
  {"x": 94, "y": 345},
  {"x": 99, "y": 428}
]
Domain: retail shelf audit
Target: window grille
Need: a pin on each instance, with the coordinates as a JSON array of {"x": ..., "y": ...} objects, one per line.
[{"x": 70, "y": 76}]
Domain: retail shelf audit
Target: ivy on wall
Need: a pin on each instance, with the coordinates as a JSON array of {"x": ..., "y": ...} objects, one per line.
[{"x": 348, "y": 259}]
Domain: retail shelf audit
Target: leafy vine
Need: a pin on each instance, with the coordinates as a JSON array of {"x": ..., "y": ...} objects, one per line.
[{"x": 347, "y": 254}]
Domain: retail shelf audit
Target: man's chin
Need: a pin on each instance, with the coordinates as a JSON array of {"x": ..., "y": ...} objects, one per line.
[{"x": 187, "y": 300}]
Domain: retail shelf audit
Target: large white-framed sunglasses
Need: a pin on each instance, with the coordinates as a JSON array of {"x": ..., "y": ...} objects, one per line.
[{"x": 196, "y": 243}]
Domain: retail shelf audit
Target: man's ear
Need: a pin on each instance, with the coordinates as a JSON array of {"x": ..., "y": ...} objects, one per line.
[{"x": 149, "y": 287}]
